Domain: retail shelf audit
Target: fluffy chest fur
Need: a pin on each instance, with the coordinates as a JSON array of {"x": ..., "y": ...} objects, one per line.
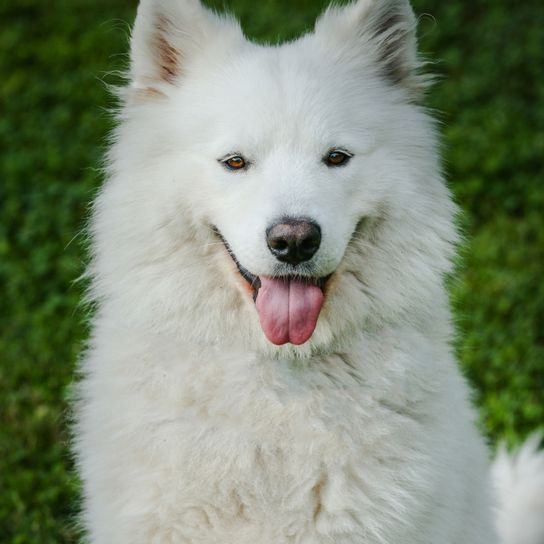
[{"x": 221, "y": 446}]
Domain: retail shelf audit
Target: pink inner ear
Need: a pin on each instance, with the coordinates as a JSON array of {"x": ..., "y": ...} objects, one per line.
[
  {"x": 168, "y": 55},
  {"x": 168, "y": 60}
]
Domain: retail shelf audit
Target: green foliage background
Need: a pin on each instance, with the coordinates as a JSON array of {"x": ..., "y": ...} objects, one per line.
[{"x": 53, "y": 123}]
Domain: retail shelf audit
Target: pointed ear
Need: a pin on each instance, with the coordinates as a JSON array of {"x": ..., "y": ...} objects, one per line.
[
  {"x": 384, "y": 29},
  {"x": 167, "y": 33}
]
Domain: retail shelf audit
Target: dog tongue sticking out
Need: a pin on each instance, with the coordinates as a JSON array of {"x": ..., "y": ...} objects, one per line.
[{"x": 288, "y": 309}]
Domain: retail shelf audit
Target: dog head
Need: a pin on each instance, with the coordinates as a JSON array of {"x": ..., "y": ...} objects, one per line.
[{"x": 290, "y": 192}]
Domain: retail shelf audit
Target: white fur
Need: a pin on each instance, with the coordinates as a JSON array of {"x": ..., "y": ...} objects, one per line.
[
  {"x": 519, "y": 479},
  {"x": 192, "y": 427}
]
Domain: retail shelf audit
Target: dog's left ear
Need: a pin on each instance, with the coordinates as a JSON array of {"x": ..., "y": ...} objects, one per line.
[
  {"x": 168, "y": 35},
  {"x": 383, "y": 29}
]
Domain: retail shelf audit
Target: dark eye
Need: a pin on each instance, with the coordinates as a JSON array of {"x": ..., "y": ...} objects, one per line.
[
  {"x": 337, "y": 157},
  {"x": 236, "y": 162}
]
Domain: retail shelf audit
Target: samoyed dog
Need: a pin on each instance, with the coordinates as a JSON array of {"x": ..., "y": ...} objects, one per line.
[{"x": 270, "y": 360}]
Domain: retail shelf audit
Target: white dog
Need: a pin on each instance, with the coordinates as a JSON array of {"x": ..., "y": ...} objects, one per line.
[{"x": 271, "y": 359}]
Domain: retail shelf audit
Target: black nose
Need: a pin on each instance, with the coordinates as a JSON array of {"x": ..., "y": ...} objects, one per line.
[{"x": 293, "y": 241}]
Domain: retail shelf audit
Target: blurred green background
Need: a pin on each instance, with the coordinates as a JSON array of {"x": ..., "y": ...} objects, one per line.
[{"x": 54, "y": 59}]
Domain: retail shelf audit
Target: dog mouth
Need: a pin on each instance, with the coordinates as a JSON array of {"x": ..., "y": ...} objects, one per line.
[{"x": 288, "y": 305}]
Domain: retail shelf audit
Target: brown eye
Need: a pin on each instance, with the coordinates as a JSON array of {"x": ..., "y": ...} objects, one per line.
[
  {"x": 235, "y": 163},
  {"x": 337, "y": 158}
]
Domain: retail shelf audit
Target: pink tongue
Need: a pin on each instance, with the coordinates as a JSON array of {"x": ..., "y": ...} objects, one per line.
[{"x": 288, "y": 309}]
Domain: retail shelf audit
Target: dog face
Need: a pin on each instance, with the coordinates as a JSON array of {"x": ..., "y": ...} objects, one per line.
[{"x": 303, "y": 178}]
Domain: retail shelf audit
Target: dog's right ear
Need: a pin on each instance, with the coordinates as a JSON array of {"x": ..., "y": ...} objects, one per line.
[
  {"x": 385, "y": 30},
  {"x": 166, "y": 34}
]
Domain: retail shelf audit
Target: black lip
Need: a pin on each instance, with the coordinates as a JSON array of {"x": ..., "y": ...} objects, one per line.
[{"x": 253, "y": 280}]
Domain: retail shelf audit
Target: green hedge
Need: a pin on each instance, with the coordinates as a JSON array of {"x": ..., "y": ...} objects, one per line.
[{"x": 54, "y": 57}]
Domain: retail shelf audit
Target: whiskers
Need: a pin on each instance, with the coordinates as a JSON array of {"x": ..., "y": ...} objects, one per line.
[{"x": 210, "y": 244}]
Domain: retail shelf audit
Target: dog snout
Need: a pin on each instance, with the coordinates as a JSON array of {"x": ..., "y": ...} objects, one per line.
[{"x": 293, "y": 241}]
